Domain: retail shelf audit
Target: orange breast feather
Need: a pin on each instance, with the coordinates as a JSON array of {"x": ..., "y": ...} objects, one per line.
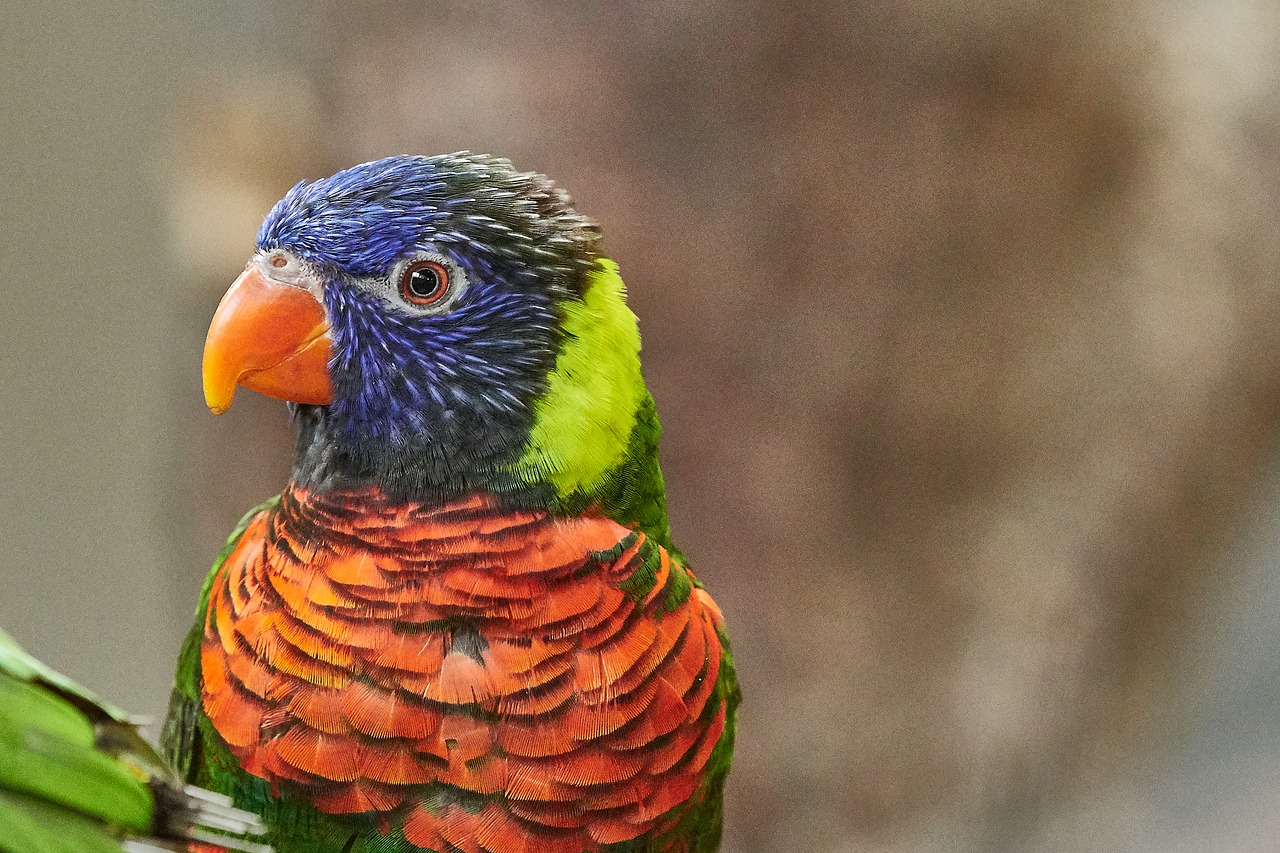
[{"x": 369, "y": 657}]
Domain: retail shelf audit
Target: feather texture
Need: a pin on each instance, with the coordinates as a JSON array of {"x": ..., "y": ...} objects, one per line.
[
  {"x": 463, "y": 626},
  {"x": 422, "y": 661}
]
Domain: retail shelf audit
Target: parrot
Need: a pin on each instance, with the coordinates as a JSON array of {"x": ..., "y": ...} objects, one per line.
[
  {"x": 463, "y": 624},
  {"x": 77, "y": 777}
]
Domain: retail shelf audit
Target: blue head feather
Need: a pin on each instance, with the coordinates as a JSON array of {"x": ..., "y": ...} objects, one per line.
[{"x": 432, "y": 403}]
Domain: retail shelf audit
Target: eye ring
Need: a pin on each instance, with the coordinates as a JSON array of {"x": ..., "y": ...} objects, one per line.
[{"x": 424, "y": 283}]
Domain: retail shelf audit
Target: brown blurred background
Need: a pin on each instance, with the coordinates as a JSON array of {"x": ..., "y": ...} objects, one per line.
[{"x": 961, "y": 317}]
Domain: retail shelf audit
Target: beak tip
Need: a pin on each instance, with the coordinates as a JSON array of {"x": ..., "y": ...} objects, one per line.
[{"x": 218, "y": 402}]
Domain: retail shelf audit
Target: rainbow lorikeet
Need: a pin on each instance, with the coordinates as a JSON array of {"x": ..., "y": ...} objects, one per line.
[
  {"x": 463, "y": 626},
  {"x": 76, "y": 777}
]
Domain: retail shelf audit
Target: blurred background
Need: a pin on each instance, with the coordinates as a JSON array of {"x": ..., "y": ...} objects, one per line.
[{"x": 961, "y": 316}]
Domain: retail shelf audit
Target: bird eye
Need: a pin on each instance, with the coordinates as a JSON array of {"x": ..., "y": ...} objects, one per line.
[{"x": 424, "y": 283}]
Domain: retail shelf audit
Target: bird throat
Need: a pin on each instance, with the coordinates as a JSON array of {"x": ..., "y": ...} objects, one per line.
[{"x": 427, "y": 469}]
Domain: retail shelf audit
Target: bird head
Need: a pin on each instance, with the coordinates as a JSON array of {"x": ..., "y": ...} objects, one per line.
[{"x": 440, "y": 323}]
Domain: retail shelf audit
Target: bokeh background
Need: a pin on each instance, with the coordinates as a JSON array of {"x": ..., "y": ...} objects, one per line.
[{"x": 961, "y": 316}]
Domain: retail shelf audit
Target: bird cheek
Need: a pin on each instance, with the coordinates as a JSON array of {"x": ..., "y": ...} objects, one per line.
[{"x": 270, "y": 337}]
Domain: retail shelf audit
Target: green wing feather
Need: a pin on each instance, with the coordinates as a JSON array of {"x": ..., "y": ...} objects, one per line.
[
  {"x": 76, "y": 777},
  {"x": 182, "y": 739}
]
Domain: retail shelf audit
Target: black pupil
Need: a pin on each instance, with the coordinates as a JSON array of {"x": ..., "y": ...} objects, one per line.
[{"x": 424, "y": 282}]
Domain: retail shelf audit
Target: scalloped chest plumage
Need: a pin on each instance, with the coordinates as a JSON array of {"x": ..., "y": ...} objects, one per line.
[{"x": 482, "y": 679}]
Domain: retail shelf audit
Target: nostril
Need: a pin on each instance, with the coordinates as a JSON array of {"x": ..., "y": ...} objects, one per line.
[{"x": 283, "y": 266}]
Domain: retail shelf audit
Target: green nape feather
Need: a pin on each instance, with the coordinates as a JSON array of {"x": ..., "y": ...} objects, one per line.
[
  {"x": 596, "y": 429},
  {"x": 76, "y": 777},
  {"x": 583, "y": 422}
]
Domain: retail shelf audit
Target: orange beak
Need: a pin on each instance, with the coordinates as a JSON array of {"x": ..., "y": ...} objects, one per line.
[{"x": 270, "y": 337}]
